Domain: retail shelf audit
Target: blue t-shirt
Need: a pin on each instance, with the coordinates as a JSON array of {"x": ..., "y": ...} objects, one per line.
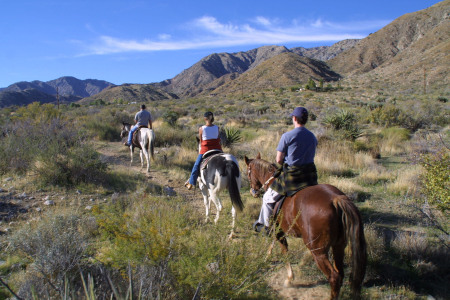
[
  {"x": 142, "y": 117},
  {"x": 299, "y": 146}
]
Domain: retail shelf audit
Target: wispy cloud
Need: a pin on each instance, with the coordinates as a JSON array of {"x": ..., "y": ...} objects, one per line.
[{"x": 208, "y": 32}]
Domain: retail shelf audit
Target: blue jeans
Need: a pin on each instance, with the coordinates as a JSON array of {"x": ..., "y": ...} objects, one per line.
[
  {"x": 130, "y": 134},
  {"x": 195, "y": 170}
]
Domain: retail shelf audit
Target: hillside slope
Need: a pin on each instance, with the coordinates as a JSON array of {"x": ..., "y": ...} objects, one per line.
[
  {"x": 286, "y": 69},
  {"x": 406, "y": 34},
  {"x": 130, "y": 93}
]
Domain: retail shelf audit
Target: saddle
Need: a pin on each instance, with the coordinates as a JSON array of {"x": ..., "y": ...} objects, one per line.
[
  {"x": 207, "y": 157},
  {"x": 136, "y": 136}
]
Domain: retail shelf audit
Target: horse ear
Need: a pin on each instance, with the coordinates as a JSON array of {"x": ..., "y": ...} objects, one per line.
[
  {"x": 258, "y": 156},
  {"x": 247, "y": 160}
]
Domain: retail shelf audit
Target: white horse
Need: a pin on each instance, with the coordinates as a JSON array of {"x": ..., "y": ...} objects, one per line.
[
  {"x": 221, "y": 172},
  {"x": 146, "y": 138}
]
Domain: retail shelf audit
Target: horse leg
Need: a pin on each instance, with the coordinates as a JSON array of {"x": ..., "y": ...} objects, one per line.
[
  {"x": 213, "y": 197},
  {"x": 147, "y": 158},
  {"x": 142, "y": 159},
  {"x": 338, "y": 255},
  {"x": 233, "y": 216},
  {"x": 284, "y": 249},
  {"x": 332, "y": 275},
  {"x": 131, "y": 155},
  {"x": 205, "y": 193}
]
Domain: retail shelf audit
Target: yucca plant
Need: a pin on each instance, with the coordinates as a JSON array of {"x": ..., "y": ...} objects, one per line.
[
  {"x": 230, "y": 136},
  {"x": 345, "y": 122}
]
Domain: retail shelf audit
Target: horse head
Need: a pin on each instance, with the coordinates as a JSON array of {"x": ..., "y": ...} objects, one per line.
[
  {"x": 126, "y": 127},
  {"x": 253, "y": 177}
]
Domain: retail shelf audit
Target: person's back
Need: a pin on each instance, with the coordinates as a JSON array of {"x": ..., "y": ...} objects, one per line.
[
  {"x": 142, "y": 117},
  {"x": 295, "y": 153},
  {"x": 299, "y": 145}
]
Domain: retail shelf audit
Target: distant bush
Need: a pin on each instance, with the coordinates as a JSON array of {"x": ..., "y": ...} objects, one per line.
[
  {"x": 171, "y": 117},
  {"x": 36, "y": 112}
]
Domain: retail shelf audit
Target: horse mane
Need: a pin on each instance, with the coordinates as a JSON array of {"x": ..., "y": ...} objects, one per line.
[{"x": 264, "y": 166}]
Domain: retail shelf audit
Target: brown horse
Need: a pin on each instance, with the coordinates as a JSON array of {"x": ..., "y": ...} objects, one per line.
[{"x": 325, "y": 218}]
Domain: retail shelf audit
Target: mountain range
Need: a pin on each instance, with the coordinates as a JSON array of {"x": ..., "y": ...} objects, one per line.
[{"x": 412, "y": 47}]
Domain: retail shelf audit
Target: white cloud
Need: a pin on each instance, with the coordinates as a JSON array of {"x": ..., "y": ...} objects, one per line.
[
  {"x": 164, "y": 36},
  {"x": 263, "y": 21},
  {"x": 208, "y": 32}
]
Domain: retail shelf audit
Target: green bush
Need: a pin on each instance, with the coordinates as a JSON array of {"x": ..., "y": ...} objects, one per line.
[
  {"x": 72, "y": 166},
  {"x": 230, "y": 136},
  {"x": 436, "y": 179},
  {"x": 171, "y": 117},
  {"x": 344, "y": 123}
]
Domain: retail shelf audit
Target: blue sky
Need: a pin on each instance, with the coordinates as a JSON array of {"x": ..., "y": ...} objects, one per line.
[{"x": 138, "y": 41}]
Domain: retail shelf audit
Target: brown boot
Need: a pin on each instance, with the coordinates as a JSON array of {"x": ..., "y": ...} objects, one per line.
[{"x": 188, "y": 185}]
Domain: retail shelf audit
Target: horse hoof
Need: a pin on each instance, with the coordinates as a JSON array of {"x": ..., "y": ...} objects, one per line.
[
  {"x": 231, "y": 235},
  {"x": 287, "y": 283}
]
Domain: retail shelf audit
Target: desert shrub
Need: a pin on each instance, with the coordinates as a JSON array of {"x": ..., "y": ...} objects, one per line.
[
  {"x": 393, "y": 140},
  {"x": 436, "y": 177},
  {"x": 344, "y": 123},
  {"x": 166, "y": 135},
  {"x": 221, "y": 269},
  {"x": 105, "y": 132},
  {"x": 171, "y": 117},
  {"x": 66, "y": 165},
  {"x": 36, "y": 112},
  {"x": 411, "y": 245},
  {"x": 56, "y": 246},
  {"x": 27, "y": 140},
  {"x": 230, "y": 136}
]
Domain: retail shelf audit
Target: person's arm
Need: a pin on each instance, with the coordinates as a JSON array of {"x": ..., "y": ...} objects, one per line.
[
  {"x": 280, "y": 157},
  {"x": 150, "y": 123},
  {"x": 200, "y": 133}
]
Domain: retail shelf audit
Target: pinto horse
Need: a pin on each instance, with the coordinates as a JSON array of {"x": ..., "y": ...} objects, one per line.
[
  {"x": 146, "y": 142},
  {"x": 325, "y": 218},
  {"x": 221, "y": 172}
]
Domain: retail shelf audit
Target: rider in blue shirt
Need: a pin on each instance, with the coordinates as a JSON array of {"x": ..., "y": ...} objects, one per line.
[{"x": 142, "y": 118}]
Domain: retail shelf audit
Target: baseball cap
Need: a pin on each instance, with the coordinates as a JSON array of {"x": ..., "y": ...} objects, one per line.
[{"x": 299, "y": 112}]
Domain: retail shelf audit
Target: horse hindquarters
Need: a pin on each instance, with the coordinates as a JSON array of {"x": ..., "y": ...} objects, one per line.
[{"x": 354, "y": 232}]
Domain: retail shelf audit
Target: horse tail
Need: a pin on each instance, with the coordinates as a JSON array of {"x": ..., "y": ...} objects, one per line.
[
  {"x": 151, "y": 143},
  {"x": 354, "y": 232},
  {"x": 233, "y": 175}
]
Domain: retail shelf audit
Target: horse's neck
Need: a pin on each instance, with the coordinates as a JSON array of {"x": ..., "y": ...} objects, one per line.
[{"x": 264, "y": 176}]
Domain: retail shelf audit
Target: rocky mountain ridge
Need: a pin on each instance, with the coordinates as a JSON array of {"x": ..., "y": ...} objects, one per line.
[
  {"x": 69, "y": 89},
  {"x": 410, "y": 51}
]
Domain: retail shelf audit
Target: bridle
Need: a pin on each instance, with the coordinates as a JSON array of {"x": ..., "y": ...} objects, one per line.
[{"x": 256, "y": 192}]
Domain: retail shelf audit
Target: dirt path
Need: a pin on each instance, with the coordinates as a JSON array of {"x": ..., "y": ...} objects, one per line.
[{"x": 300, "y": 290}]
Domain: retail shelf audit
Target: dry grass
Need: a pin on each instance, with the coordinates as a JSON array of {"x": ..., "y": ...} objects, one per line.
[
  {"x": 347, "y": 185},
  {"x": 407, "y": 181},
  {"x": 375, "y": 174},
  {"x": 336, "y": 158}
]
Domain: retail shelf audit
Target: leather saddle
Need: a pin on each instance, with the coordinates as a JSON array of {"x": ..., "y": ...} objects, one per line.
[
  {"x": 136, "y": 137},
  {"x": 207, "y": 157}
]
